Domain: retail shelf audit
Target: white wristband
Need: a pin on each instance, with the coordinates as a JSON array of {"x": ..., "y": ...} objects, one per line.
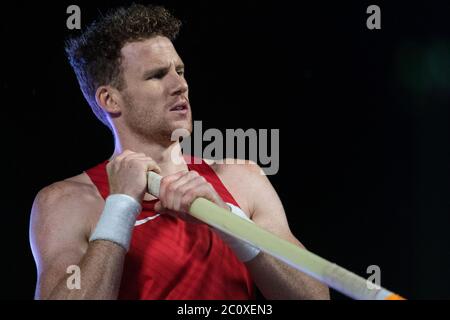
[
  {"x": 244, "y": 251},
  {"x": 117, "y": 220}
]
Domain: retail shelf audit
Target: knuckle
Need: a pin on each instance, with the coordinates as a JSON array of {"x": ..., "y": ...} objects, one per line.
[
  {"x": 171, "y": 187},
  {"x": 182, "y": 174},
  {"x": 193, "y": 173},
  {"x": 185, "y": 198},
  {"x": 164, "y": 181},
  {"x": 192, "y": 196},
  {"x": 126, "y": 152},
  {"x": 201, "y": 180},
  {"x": 184, "y": 190},
  {"x": 153, "y": 164},
  {"x": 163, "y": 203},
  {"x": 188, "y": 197},
  {"x": 132, "y": 162},
  {"x": 192, "y": 192}
]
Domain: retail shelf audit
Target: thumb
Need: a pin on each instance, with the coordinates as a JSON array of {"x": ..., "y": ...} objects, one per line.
[{"x": 159, "y": 208}]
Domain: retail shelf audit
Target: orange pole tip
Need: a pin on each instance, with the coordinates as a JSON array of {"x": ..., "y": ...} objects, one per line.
[{"x": 394, "y": 297}]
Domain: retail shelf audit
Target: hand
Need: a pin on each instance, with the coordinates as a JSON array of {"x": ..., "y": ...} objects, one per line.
[
  {"x": 127, "y": 174},
  {"x": 179, "y": 190}
]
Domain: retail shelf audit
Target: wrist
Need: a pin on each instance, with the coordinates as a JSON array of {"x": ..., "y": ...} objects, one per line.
[{"x": 117, "y": 220}]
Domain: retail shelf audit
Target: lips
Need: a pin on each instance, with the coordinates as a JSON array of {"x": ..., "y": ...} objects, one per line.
[{"x": 179, "y": 106}]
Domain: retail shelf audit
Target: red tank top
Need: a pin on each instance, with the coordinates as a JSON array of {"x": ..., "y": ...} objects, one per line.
[{"x": 173, "y": 259}]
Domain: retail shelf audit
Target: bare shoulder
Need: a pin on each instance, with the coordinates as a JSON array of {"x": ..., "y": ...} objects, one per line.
[
  {"x": 236, "y": 170},
  {"x": 240, "y": 177},
  {"x": 77, "y": 189},
  {"x": 65, "y": 208},
  {"x": 255, "y": 194}
]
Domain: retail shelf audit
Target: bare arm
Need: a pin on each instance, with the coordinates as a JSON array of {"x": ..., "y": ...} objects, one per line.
[
  {"x": 61, "y": 221},
  {"x": 275, "y": 279},
  {"x": 59, "y": 231}
]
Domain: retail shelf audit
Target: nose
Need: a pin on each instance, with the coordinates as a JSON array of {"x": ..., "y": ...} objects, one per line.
[{"x": 178, "y": 85}]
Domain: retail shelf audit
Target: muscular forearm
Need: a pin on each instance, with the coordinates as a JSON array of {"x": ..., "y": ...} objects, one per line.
[
  {"x": 100, "y": 270},
  {"x": 277, "y": 280}
]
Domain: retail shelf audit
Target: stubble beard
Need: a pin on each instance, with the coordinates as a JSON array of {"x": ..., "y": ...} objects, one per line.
[{"x": 150, "y": 125}]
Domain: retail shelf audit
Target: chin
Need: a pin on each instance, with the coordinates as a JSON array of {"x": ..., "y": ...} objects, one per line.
[
  {"x": 185, "y": 124},
  {"x": 179, "y": 129}
]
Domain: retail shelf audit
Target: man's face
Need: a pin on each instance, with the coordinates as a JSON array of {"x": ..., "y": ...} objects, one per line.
[{"x": 156, "y": 92}]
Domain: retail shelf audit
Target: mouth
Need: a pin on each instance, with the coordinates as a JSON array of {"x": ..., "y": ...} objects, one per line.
[{"x": 180, "y": 107}]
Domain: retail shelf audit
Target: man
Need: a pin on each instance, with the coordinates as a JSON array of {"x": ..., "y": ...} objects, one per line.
[{"x": 126, "y": 243}]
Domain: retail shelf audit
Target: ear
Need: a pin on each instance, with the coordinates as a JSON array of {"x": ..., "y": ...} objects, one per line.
[{"x": 109, "y": 99}]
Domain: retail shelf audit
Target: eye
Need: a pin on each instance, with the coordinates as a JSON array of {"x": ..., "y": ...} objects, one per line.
[
  {"x": 158, "y": 75},
  {"x": 180, "y": 72}
]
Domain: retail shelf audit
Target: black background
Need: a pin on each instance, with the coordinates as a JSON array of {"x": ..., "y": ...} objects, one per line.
[{"x": 363, "y": 118}]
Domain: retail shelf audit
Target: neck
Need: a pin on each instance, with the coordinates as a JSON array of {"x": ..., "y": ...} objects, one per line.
[{"x": 168, "y": 157}]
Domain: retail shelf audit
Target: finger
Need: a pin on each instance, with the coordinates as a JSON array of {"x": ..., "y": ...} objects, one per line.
[
  {"x": 148, "y": 163},
  {"x": 159, "y": 207},
  {"x": 181, "y": 186},
  {"x": 108, "y": 167},
  {"x": 185, "y": 216},
  {"x": 152, "y": 165},
  {"x": 123, "y": 154},
  {"x": 143, "y": 157},
  {"x": 185, "y": 178},
  {"x": 170, "y": 196},
  {"x": 118, "y": 160},
  {"x": 190, "y": 191},
  {"x": 165, "y": 182},
  {"x": 134, "y": 155}
]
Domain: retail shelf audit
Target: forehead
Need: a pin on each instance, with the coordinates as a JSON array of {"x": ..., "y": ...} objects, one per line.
[{"x": 154, "y": 52}]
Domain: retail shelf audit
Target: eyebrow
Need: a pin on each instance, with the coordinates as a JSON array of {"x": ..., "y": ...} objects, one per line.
[{"x": 158, "y": 70}]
